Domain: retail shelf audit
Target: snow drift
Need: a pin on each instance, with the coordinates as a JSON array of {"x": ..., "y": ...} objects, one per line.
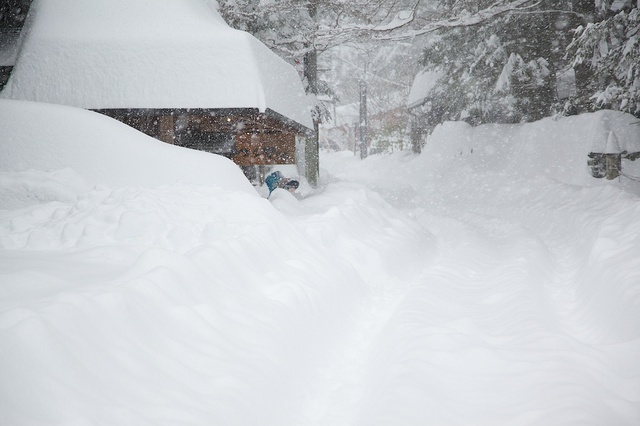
[
  {"x": 489, "y": 280},
  {"x": 49, "y": 138},
  {"x": 182, "y": 297}
]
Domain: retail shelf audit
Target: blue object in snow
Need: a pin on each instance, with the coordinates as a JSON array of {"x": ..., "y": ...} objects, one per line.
[{"x": 273, "y": 180}]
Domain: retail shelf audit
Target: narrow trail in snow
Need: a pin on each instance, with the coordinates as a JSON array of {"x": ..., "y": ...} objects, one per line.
[
  {"x": 342, "y": 388},
  {"x": 383, "y": 246},
  {"x": 468, "y": 338},
  {"x": 447, "y": 307}
]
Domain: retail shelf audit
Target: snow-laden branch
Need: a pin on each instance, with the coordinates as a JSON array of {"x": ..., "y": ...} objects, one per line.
[
  {"x": 399, "y": 28},
  {"x": 401, "y": 19}
]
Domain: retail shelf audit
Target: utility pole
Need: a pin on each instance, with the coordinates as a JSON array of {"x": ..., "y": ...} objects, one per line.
[{"x": 363, "y": 119}]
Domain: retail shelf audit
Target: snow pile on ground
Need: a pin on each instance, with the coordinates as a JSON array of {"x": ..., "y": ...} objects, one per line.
[
  {"x": 189, "y": 302},
  {"x": 50, "y": 138},
  {"x": 451, "y": 287},
  {"x": 529, "y": 312}
]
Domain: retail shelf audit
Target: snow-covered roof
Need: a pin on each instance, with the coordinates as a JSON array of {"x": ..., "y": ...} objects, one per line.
[
  {"x": 422, "y": 85},
  {"x": 100, "y": 54}
]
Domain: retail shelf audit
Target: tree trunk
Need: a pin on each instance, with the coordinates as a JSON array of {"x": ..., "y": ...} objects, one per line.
[
  {"x": 312, "y": 161},
  {"x": 584, "y": 75},
  {"x": 544, "y": 34},
  {"x": 311, "y": 70}
]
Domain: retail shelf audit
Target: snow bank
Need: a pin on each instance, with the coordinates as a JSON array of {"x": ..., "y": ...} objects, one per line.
[
  {"x": 528, "y": 313},
  {"x": 50, "y": 138},
  {"x": 169, "y": 293},
  {"x": 99, "y": 54},
  {"x": 552, "y": 148},
  {"x": 207, "y": 309}
]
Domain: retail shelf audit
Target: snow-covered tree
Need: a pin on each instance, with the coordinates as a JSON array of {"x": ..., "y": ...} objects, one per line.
[
  {"x": 302, "y": 30},
  {"x": 503, "y": 70},
  {"x": 610, "y": 49},
  {"x": 470, "y": 71},
  {"x": 13, "y": 14}
]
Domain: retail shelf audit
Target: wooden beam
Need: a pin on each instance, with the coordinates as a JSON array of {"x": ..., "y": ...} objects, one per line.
[{"x": 166, "y": 130}]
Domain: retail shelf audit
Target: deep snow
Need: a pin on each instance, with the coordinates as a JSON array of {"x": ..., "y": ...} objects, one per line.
[
  {"x": 99, "y": 54},
  {"x": 489, "y": 280}
]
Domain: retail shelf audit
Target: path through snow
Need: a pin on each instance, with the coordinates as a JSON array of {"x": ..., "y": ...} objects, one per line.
[{"x": 489, "y": 329}]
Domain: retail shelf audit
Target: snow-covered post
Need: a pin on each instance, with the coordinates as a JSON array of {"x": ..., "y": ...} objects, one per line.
[
  {"x": 166, "y": 131},
  {"x": 607, "y": 164},
  {"x": 363, "y": 119},
  {"x": 612, "y": 157}
]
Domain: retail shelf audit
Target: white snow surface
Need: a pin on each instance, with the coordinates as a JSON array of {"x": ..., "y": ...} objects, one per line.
[
  {"x": 50, "y": 138},
  {"x": 100, "y": 54},
  {"x": 489, "y": 280},
  {"x": 422, "y": 85}
]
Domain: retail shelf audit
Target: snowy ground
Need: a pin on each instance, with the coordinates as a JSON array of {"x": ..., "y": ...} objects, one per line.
[{"x": 489, "y": 280}]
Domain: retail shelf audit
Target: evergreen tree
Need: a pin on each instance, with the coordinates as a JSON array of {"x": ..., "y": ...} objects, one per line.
[
  {"x": 586, "y": 12},
  {"x": 501, "y": 71},
  {"x": 610, "y": 50},
  {"x": 13, "y": 14}
]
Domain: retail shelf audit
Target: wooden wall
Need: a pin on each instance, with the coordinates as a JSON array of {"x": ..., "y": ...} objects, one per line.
[
  {"x": 245, "y": 136},
  {"x": 265, "y": 149}
]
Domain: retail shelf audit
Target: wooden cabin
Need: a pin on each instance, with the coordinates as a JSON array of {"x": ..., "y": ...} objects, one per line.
[
  {"x": 173, "y": 70},
  {"x": 245, "y": 135}
]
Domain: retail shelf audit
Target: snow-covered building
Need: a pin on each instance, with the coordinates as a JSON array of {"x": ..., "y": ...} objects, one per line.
[
  {"x": 421, "y": 107},
  {"x": 342, "y": 132},
  {"x": 172, "y": 69}
]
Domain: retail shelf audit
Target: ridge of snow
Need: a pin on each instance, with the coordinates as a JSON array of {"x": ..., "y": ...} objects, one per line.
[{"x": 48, "y": 137}]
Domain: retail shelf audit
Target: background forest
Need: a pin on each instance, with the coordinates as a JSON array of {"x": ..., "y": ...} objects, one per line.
[{"x": 494, "y": 61}]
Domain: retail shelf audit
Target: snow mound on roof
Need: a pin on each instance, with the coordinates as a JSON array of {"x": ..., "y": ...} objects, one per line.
[
  {"x": 99, "y": 54},
  {"x": 423, "y": 83},
  {"x": 49, "y": 138}
]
